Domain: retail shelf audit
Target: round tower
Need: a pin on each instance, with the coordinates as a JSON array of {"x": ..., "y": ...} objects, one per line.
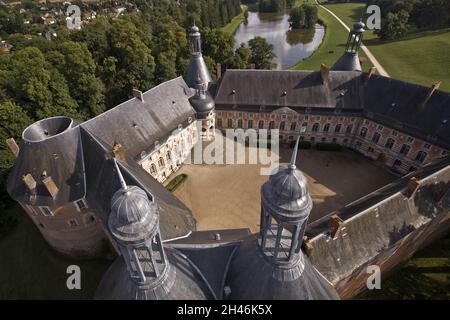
[
  {"x": 49, "y": 182},
  {"x": 145, "y": 271},
  {"x": 270, "y": 265},
  {"x": 349, "y": 61}
]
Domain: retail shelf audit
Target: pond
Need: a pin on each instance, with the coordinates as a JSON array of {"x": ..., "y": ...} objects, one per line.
[{"x": 291, "y": 46}]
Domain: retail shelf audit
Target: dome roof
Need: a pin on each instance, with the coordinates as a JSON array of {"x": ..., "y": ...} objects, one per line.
[
  {"x": 252, "y": 277},
  {"x": 133, "y": 217},
  {"x": 194, "y": 30},
  {"x": 359, "y": 26},
  {"x": 202, "y": 103},
  {"x": 286, "y": 194}
]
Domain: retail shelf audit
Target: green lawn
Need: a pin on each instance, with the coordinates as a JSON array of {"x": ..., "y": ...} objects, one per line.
[
  {"x": 29, "y": 269},
  {"x": 425, "y": 276},
  {"x": 232, "y": 27},
  {"x": 421, "y": 58},
  {"x": 332, "y": 47}
]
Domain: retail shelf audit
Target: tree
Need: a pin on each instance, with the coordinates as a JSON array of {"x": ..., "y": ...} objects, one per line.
[
  {"x": 241, "y": 58},
  {"x": 75, "y": 62},
  {"x": 304, "y": 16},
  {"x": 297, "y": 18},
  {"x": 262, "y": 53},
  {"x": 394, "y": 26},
  {"x": 135, "y": 63}
]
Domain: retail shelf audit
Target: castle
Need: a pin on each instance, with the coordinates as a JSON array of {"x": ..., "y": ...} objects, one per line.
[{"x": 97, "y": 184}]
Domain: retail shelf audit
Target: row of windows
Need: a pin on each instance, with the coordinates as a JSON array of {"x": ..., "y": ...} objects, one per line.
[
  {"x": 80, "y": 205},
  {"x": 282, "y": 127},
  {"x": 284, "y": 116},
  {"x": 404, "y": 150},
  {"x": 74, "y": 222}
]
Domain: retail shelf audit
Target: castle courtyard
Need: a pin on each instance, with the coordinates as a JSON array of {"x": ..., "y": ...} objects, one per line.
[{"x": 228, "y": 196}]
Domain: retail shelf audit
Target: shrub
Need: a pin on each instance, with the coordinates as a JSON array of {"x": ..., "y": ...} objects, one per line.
[
  {"x": 328, "y": 146},
  {"x": 176, "y": 182},
  {"x": 301, "y": 144}
]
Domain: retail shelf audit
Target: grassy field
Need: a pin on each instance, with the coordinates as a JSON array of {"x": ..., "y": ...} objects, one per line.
[
  {"x": 29, "y": 269},
  {"x": 425, "y": 276},
  {"x": 421, "y": 58},
  {"x": 332, "y": 47},
  {"x": 232, "y": 27}
]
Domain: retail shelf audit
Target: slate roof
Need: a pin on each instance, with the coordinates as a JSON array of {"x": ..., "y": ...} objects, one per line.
[
  {"x": 303, "y": 89},
  {"x": 103, "y": 182},
  {"x": 349, "y": 61},
  {"x": 395, "y": 103},
  {"x": 136, "y": 125},
  {"x": 183, "y": 282},
  {"x": 40, "y": 153},
  {"x": 252, "y": 277}
]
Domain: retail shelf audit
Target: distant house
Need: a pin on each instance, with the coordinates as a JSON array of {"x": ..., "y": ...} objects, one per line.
[
  {"x": 48, "y": 21},
  {"x": 91, "y": 14},
  {"x": 5, "y": 47}
]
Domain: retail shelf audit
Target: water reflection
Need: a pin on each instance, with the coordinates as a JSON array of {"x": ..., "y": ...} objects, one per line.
[{"x": 291, "y": 46}]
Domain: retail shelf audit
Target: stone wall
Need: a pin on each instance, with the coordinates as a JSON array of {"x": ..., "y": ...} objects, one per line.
[
  {"x": 352, "y": 131},
  {"x": 70, "y": 230},
  {"x": 385, "y": 234}
]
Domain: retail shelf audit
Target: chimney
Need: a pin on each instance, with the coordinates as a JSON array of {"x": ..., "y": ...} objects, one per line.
[
  {"x": 13, "y": 146},
  {"x": 219, "y": 71},
  {"x": 324, "y": 73},
  {"x": 118, "y": 152},
  {"x": 371, "y": 72},
  {"x": 51, "y": 187},
  {"x": 307, "y": 245},
  {"x": 29, "y": 182},
  {"x": 412, "y": 187},
  {"x": 138, "y": 94},
  {"x": 432, "y": 90},
  {"x": 337, "y": 226}
]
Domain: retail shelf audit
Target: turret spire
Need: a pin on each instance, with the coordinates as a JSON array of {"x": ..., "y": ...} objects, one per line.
[
  {"x": 122, "y": 180},
  {"x": 292, "y": 165}
]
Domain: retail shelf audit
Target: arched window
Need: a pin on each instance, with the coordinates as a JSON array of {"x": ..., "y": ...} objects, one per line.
[
  {"x": 421, "y": 156},
  {"x": 240, "y": 126},
  {"x": 282, "y": 125},
  {"x": 261, "y": 124},
  {"x": 376, "y": 137},
  {"x": 338, "y": 128},
  {"x": 390, "y": 143},
  {"x": 315, "y": 127},
  {"x": 326, "y": 128},
  {"x": 293, "y": 126},
  {"x": 153, "y": 169},
  {"x": 250, "y": 124},
  {"x": 349, "y": 128},
  {"x": 272, "y": 125},
  {"x": 230, "y": 123},
  {"x": 405, "y": 149},
  {"x": 363, "y": 132},
  {"x": 169, "y": 156},
  {"x": 219, "y": 123},
  {"x": 161, "y": 162}
]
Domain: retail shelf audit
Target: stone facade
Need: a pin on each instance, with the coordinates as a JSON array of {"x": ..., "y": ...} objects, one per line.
[
  {"x": 72, "y": 230},
  {"x": 396, "y": 149},
  {"x": 166, "y": 158}
]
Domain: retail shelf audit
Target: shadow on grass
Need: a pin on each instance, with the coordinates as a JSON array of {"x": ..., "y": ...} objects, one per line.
[
  {"x": 30, "y": 269},
  {"x": 418, "y": 281}
]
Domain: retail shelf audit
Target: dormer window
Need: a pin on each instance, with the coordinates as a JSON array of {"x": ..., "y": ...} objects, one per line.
[
  {"x": 46, "y": 211},
  {"x": 80, "y": 205}
]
